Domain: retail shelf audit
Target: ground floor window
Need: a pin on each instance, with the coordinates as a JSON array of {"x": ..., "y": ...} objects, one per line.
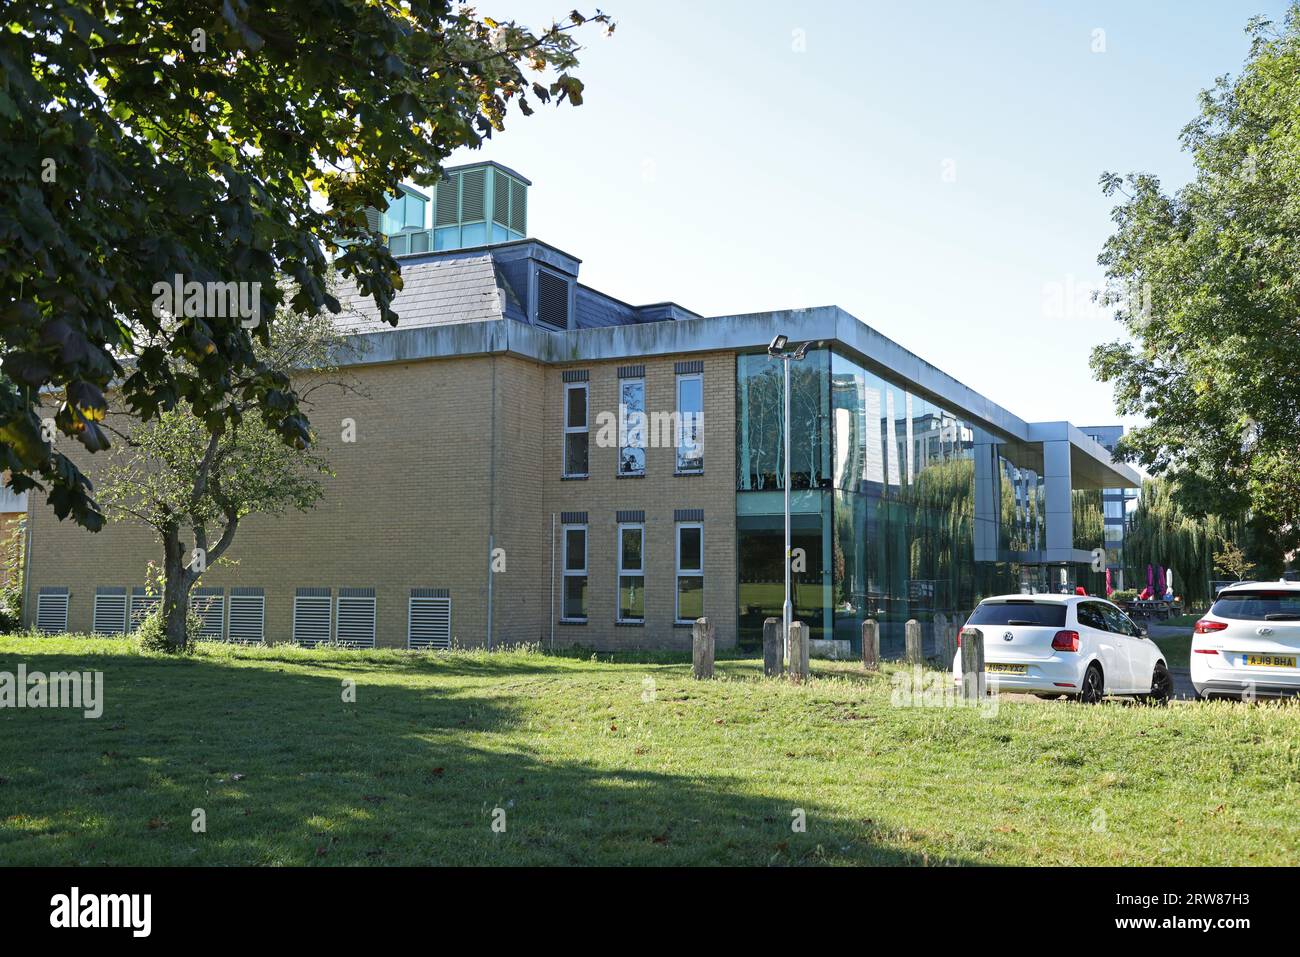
[
  {"x": 574, "y": 607},
  {"x": 631, "y": 573},
  {"x": 690, "y": 571}
]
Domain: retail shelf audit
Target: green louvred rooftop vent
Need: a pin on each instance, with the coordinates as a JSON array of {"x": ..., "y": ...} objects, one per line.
[
  {"x": 479, "y": 204},
  {"x": 474, "y": 205}
]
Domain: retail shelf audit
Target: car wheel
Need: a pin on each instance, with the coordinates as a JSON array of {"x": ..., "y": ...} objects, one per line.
[
  {"x": 1162, "y": 687},
  {"x": 1094, "y": 687}
]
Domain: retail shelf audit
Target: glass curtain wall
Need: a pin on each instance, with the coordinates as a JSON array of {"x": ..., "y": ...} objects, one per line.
[{"x": 883, "y": 503}]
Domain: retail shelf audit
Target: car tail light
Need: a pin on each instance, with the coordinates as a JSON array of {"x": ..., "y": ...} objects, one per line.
[
  {"x": 1066, "y": 641},
  {"x": 1205, "y": 626}
]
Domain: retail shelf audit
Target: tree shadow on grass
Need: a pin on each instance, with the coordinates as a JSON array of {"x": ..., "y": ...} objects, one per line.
[{"x": 285, "y": 771}]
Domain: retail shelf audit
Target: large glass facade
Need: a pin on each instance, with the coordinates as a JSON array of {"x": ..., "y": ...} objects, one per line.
[{"x": 883, "y": 503}]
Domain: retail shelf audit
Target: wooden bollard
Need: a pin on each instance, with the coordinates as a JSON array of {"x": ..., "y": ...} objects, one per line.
[
  {"x": 798, "y": 651},
  {"x": 941, "y": 635},
  {"x": 702, "y": 648},
  {"x": 773, "y": 648},
  {"x": 972, "y": 664},
  {"x": 871, "y": 644},
  {"x": 913, "y": 652}
]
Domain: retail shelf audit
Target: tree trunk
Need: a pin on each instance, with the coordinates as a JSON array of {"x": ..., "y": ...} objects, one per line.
[{"x": 176, "y": 592}]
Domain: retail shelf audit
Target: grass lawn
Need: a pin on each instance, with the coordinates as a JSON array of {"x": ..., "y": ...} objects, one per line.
[
  {"x": 1177, "y": 649},
  {"x": 610, "y": 762}
]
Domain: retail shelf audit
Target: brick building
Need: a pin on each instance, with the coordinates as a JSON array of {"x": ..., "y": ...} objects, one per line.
[{"x": 490, "y": 493}]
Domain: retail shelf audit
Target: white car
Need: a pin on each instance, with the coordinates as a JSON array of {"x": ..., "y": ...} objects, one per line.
[
  {"x": 1248, "y": 643},
  {"x": 1050, "y": 645}
]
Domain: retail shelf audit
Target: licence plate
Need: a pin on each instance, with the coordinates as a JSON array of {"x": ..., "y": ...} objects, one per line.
[
  {"x": 993, "y": 667},
  {"x": 1271, "y": 661}
]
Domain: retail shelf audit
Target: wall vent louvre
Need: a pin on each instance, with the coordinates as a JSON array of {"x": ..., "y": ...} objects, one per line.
[
  {"x": 247, "y": 616},
  {"x": 142, "y": 603},
  {"x": 355, "y": 617},
  {"x": 447, "y": 205},
  {"x": 472, "y": 195},
  {"x": 311, "y": 616},
  {"x": 518, "y": 207},
  {"x": 500, "y": 198},
  {"x": 428, "y": 623},
  {"x": 52, "y": 611},
  {"x": 110, "y": 611},
  {"x": 210, "y": 605},
  {"x": 552, "y": 300}
]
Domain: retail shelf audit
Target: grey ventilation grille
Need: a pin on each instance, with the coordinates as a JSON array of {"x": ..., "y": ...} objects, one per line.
[
  {"x": 472, "y": 199},
  {"x": 311, "y": 616},
  {"x": 447, "y": 207},
  {"x": 142, "y": 603},
  {"x": 428, "y": 623},
  {"x": 110, "y": 611},
  {"x": 552, "y": 300},
  {"x": 247, "y": 615},
  {"x": 518, "y": 207},
  {"x": 52, "y": 610},
  {"x": 355, "y": 617},
  {"x": 210, "y": 605}
]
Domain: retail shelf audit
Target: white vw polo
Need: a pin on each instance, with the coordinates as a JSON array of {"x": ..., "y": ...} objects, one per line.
[
  {"x": 1248, "y": 643},
  {"x": 1050, "y": 645}
]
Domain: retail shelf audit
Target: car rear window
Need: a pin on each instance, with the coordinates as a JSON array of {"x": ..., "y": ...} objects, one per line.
[
  {"x": 1047, "y": 614},
  {"x": 1259, "y": 605}
]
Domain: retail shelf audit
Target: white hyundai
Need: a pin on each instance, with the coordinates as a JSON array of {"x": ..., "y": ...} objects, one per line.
[
  {"x": 1248, "y": 643},
  {"x": 1053, "y": 645}
]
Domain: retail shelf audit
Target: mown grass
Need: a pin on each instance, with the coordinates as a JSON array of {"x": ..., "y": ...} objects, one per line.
[
  {"x": 1177, "y": 649},
  {"x": 612, "y": 762}
]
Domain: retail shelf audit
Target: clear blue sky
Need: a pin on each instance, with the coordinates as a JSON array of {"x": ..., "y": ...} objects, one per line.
[{"x": 715, "y": 165}]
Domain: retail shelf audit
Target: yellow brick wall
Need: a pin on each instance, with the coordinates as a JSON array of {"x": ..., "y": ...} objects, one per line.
[
  {"x": 659, "y": 494},
  {"x": 414, "y": 498}
]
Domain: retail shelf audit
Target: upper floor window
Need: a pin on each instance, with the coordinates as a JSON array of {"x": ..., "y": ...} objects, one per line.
[
  {"x": 406, "y": 211},
  {"x": 690, "y": 416},
  {"x": 575, "y": 430},
  {"x": 631, "y": 426}
]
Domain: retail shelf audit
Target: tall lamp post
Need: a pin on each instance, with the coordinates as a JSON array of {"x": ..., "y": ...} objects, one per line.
[{"x": 776, "y": 350}]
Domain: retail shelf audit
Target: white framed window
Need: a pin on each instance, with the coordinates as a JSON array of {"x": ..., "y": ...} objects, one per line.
[
  {"x": 631, "y": 427},
  {"x": 690, "y": 571},
  {"x": 631, "y": 573},
  {"x": 690, "y": 423},
  {"x": 575, "y": 430},
  {"x": 574, "y": 606}
]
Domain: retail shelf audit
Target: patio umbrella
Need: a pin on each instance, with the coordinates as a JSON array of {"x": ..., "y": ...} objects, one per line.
[
  {"x": 1160, "y": 580},
  {"x": 1169, "y": 579},
  {"x": 1108, "y": 588},
  {"x": 1150, "y": 577}
]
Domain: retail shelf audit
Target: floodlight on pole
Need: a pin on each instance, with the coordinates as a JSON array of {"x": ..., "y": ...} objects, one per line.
[{"x": 777, "y": 350}]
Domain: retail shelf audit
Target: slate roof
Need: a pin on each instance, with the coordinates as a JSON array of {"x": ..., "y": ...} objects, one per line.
[{"x": 435, "y": 293}]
